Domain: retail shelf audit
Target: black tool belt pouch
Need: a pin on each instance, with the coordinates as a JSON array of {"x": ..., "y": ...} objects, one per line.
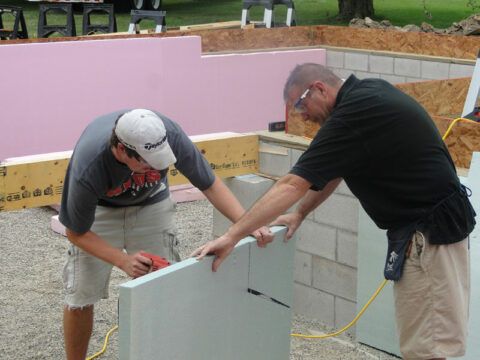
[{"x": 398, "y": 241}]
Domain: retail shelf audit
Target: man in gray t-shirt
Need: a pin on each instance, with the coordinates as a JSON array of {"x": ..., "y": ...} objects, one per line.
[{"x": 116, "y": 203}]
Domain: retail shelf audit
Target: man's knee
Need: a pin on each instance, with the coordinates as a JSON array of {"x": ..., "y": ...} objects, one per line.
[{"x": 78, "y": 310}]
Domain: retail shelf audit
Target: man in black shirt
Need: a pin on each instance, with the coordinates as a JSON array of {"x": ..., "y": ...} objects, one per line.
[{"x": 390, "y": 154}]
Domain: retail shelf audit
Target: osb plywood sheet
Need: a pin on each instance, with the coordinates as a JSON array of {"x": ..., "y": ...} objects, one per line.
[
  {"x": 442, "y": 123},
  {"x": 371, "y": 39},
  {"x": 237, "y": 39},
  {"x": 439, "y": 97},
  {"x": 461, "y": 47},
  {"x": 462, "y": 141},
  {"x": 297, "y": 126}
]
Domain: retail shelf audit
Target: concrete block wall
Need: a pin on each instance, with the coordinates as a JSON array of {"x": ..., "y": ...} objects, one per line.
[
  {"x": 395, "y": 67},
  {"x": 325, "y": 270},
  {"x": 247, "y": 189}
]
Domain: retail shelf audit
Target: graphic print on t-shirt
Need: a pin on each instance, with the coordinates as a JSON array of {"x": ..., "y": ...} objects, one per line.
[{"x": 136, "y": 182}]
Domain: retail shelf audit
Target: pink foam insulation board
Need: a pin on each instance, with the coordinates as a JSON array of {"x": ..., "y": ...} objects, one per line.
[{"x": 51, "y": 91}]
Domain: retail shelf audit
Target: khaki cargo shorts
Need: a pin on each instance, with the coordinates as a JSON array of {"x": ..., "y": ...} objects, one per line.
[
  {"x": 432, "y": 300},
  {"x": 149, "y": 228}
]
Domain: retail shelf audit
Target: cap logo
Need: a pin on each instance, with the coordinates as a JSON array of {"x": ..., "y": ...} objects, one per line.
[{"x": 150, "y": 146}]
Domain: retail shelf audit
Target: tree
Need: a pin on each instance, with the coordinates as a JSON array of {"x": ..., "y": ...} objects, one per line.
[{"x": 349, "y": 9}]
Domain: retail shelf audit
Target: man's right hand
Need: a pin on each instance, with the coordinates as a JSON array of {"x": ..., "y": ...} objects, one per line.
[
  {"x": 220, "y": 247},
  {"x": 292, "y": 221},
  {"x": 136, "y": 265}
]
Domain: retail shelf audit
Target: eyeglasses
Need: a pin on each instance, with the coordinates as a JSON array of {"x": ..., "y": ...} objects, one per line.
[{"x": 299, "y": 107}]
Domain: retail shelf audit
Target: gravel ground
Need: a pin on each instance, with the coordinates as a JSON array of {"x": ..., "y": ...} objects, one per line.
[{"x": 31, "y": 299}]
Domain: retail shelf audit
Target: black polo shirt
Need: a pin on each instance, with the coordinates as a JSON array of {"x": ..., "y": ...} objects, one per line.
[{"x": 390, "y": 153}]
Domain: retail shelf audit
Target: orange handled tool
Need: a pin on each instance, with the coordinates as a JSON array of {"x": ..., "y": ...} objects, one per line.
[{"x": 158, "y": 262}]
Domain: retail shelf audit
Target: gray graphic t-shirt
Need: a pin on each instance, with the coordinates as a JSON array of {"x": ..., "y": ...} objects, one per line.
[{"x": 94, "y": 177}]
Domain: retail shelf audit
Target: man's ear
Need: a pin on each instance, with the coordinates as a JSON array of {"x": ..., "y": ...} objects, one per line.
[
  {"x": 320, "y": 86},
  {"x": 324, "y": 89},
  {"x": 120, "y": 147},
  {"x": 120, "y": 150}
]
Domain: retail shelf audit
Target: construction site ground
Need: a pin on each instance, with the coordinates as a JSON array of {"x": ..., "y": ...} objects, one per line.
[{"x": 31, "y": 299}]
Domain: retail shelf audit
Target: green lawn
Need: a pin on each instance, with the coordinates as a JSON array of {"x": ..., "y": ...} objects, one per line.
[{"x": 309, "y": 12}]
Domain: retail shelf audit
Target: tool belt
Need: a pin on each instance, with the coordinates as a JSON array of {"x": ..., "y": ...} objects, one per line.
[{"x": 449, "y": 221}]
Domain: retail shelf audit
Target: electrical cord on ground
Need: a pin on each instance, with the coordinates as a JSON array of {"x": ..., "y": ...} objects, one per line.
[
  {"x": 355, "y": 319},
  {"x": 104, "y": 343},
  {"x": 346, "y": 327}
]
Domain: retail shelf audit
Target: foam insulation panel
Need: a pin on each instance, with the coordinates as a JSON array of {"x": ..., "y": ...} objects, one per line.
[
  {"x": 186, "y": 311},
  {"x": 203, "y": 94},
  {"x": 377, "y": 325}
]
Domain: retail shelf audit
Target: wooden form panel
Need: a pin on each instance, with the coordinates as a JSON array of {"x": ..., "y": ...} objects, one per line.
[
  {"x": 186, "y": 311},
  {"x": 460, "y": 47},
  {"x": 419, "y": 43},
  {"x": 462, "y": 141},
  {"x": 228, "y": 156},
  {"x": 38, "y": 180},
  {"x": 439, "y": 97},
  {"x": 32, "y": 183}
]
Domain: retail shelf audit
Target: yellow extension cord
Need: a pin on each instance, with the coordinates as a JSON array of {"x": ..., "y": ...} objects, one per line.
[
  {"x": 105, "y": 343},
  {"x": 355, "y": 319},
  {"x": 453, "y": 123},
  {"x": 346, "y": 327}
]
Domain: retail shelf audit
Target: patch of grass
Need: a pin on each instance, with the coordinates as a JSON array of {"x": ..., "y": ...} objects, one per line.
[{"x": 439, "y": 13}]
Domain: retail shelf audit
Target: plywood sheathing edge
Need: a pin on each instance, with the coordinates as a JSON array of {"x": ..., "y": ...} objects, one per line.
[
  {"x": 463, "y": 141},
  {"x": 450, "y": 46},
  {"x": 439, "y": 97},
  {"x": 461, "y": 47}
]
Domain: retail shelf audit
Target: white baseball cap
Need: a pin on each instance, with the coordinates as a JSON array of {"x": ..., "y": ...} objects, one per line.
[{"x": 143, "y": 131}]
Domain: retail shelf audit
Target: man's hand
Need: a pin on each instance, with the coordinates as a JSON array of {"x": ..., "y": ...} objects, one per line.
[
  {"x": 292, "y": 221},
  {"x": 263, "y": 235},
  {"x": 136, "y": 265},
  {"x": 220, "y": 247}
]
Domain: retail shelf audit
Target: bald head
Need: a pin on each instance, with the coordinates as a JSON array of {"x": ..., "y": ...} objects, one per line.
[{"x": 305, "y": 74}]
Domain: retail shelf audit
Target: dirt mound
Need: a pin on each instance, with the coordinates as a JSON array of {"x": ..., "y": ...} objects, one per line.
[{"x": 468, "y": 26}]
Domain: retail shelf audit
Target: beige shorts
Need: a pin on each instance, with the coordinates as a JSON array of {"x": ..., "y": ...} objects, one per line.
[
  {"x": 432, "y": 299},
  {"x": 149, "y": 228}
]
